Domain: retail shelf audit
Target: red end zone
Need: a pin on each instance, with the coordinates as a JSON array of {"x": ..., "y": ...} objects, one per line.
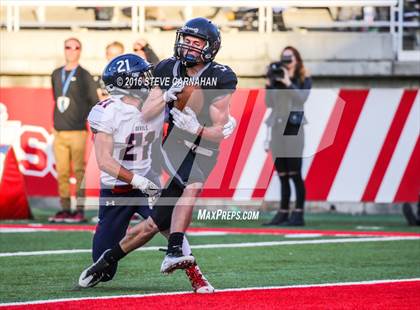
[
  {"x": 394, "y": 295},
  {"x": 227, "y": 230}
]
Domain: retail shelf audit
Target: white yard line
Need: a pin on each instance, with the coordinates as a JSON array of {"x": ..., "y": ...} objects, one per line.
[
  {"x": 227, "y": 245},
  {"x": 370, "y": 282}
]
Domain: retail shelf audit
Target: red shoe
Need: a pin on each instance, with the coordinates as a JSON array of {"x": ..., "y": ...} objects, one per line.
[
  {"x": 198, "y": 281},
  {"x": 76, "y": 217},
  {"x": 60, "y": 217},
  {"x": 135, "y": 218}
]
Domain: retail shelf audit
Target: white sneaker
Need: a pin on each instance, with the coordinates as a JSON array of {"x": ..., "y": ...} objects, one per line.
[{"x": 172, "y": 262}]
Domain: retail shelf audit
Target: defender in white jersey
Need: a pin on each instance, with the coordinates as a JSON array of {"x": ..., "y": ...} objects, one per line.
[
  {"x": 132, "y": 136},
  {"x": 123, "y": 147}
]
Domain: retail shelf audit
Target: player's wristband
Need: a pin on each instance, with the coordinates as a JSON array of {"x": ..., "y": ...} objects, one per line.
[
  {"x": 137, "y": 181},
  {"x": 199, "y": 131}
]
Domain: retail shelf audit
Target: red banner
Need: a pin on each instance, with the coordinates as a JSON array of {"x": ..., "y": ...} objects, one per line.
[{"x": 360, "y": 145}]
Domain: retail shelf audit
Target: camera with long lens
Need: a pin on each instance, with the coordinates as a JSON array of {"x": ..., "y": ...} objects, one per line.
[{"x": 275, "y": 72}]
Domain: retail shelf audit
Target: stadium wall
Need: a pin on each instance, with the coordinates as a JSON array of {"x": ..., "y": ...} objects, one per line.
[
  {"x": 248, "y": 53},
  {"x": 361, "y": 146}
]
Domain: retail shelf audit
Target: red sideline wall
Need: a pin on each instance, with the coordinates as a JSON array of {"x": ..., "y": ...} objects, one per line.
[{"x": 361, "y": 145}]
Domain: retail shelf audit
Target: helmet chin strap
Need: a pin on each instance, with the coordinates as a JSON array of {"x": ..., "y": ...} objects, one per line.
[
  {"x": 125, "y": 92},
  {"x": 189, "y": 61}
]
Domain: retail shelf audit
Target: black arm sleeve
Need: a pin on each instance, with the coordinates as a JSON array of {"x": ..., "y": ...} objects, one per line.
[
  {"x": 164, "y": 70},
  {"x": 226, "y": 83}
]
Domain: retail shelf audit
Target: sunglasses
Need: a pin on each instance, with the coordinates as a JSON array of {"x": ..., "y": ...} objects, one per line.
[
  {"x": 75, "y": 48},
  {"x": 138, "y": 49}
]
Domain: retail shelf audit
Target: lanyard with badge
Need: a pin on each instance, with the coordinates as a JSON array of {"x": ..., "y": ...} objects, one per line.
[{"x": 63, "y": 101}]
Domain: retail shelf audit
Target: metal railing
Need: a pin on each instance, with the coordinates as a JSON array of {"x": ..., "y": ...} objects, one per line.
[{"x": 139, "y": 23}]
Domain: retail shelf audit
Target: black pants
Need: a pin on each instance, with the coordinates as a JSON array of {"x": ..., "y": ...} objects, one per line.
[
  {"x": 290, "y": 168},
  {"x": 287, "y": 153},
  {"x": 185, "y": 167},
  {"x": 116, "y": 207},
  {"x": 114, "y": 218}
]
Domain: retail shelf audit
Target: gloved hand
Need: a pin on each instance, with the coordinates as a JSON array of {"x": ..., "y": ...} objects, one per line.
[
  {"x": 151, "y": 200},
  {"x": 229, "y": 127},
  {"x": 170, "y": 94},
  {"x": 186, "y": 121},
  {"x": 148, "y": 188}
]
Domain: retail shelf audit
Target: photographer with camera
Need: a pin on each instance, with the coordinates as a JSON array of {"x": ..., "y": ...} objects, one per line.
[{"x": 287, "y": 89}]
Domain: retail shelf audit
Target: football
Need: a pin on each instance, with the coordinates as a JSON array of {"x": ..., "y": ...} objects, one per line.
[{"x": 192, "y": 97}]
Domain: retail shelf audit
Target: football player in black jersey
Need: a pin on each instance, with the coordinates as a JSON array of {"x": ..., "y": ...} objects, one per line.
[{"x": 191, "y": 146}]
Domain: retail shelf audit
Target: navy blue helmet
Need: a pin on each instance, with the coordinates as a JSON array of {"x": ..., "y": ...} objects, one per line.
[
  {"x": 200, "y": 28},
  {"x": 128, "y": 74}
]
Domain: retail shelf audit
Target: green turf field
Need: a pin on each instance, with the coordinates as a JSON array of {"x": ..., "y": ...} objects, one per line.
[
  {"x": 313, "y": 221},
  {"x": 37, "y": 277}
]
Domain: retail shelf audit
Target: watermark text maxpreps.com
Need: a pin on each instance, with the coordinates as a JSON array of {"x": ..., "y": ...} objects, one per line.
[{"x": 227, "y": 215}]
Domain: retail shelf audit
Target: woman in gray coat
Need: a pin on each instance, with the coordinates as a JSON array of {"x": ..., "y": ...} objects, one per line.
[{"x": 287, "y": 89}]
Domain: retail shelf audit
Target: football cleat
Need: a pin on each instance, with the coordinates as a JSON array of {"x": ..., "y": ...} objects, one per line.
[
  {"x": 91, "y": 280},
  {"x": 198, "y": 281},
  {"x": 94, "y": 273},
  {"x": 409, "y": 214},
  {"x": 60, "y": 217},
  {"x": 173, "y": 262},
  {"x": 76, "y": 217},
  {"x": 280, "y": 218}
]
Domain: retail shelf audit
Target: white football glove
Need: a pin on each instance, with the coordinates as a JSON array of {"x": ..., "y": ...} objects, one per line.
[
  {"x": 170, "y": 94},
  {"x": 186, "y": 121},
  {"x": 148, "y": 188},
  {"x": 151, "y": 200},
  {"x": 229, "y": 127}
]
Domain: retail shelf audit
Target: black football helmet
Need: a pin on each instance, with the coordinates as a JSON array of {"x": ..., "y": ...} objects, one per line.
[
  {"x": 128, "y": 74},
  {"x": 200, "y": 28}
]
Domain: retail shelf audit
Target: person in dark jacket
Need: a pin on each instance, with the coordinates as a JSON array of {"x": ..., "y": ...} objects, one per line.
[
  {"x": 287, "y": 88},
  {"x": 74, "y": 92}
]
